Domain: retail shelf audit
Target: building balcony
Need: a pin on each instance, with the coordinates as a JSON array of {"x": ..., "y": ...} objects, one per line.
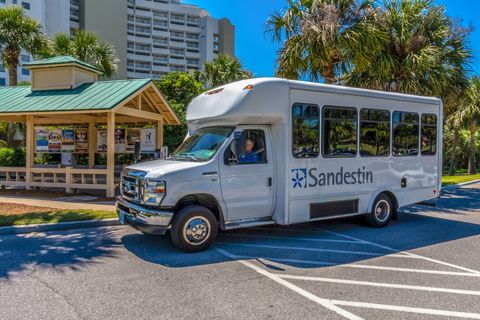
[
  {"x": 159, "y": 33},
  {"x": 138, "y": 57},
  {"x": 141, "y": 40},
  {"x": 163, "y": 51},
  {"x": 160, "y": 68},
  {"x": 177, "y": 44},
  {"x": 176, "y": 61}
]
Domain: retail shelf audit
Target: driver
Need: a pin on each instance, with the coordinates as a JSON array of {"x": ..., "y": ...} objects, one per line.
[{"x": 250, "y": 156}]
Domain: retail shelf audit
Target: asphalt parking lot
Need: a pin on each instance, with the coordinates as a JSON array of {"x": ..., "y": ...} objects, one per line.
[{"x": 424, "y": 266}]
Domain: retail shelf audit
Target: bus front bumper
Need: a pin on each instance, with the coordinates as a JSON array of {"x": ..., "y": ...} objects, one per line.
[{"x": 146, "y": 220}]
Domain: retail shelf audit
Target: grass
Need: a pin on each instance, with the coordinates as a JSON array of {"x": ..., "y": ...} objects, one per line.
[
  {"x": 53, "y": 216},
  {"x": 449, "y": 180}
]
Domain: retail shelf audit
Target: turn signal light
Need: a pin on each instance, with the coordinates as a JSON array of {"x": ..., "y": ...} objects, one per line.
[{"x": 249, "y": 87}]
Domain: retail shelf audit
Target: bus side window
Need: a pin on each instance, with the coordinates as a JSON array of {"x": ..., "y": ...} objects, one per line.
[
  {"x": 339, "y": 132},
  {"x": 405, "y": 133},
  {"x": 374, "y": 133},
  {"x": 429, "y": 134},
  {"x": 305, "y": 130}
]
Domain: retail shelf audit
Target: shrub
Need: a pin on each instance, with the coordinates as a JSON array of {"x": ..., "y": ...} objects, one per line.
[{"x": 10, "y": 157}]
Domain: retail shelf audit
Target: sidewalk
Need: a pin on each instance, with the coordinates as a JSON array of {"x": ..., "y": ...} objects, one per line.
[{"x": 70, "y": 203}]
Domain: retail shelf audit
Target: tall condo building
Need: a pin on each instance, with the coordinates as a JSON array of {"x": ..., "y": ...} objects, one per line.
[
  {"x": 154, "y": 37},
  {"x": 53, "y": 15},
  {"x": 151, "y": 37}
]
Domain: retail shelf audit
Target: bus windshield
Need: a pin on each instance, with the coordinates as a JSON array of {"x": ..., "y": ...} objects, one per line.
[{"x": 202, "y": 145}]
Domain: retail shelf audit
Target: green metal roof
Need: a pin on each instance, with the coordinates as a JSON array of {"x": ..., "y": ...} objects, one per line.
[
  {"x": 101, "y": 95},
  {"x": 59, "y": 60}
]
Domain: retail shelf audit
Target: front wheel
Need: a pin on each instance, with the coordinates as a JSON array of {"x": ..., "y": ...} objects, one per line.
[
  {"x": 194, "y": 228},
  {"x": 382, "y": 212}
]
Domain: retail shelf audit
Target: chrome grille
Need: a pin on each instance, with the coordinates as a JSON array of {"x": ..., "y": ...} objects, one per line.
[{"x": 132, "y": 185}]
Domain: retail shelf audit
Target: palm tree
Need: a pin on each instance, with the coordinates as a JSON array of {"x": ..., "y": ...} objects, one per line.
[
  {"x": 471, "y": 113},
  {"x": 324, "y": 38},
  {"x": 224, "y": 69},
  {"x": 425, "y": 51},
  {"x": 17, "y": 32},
  {"x": 86, "y": 47},
  {"x": 466, "y": 115},
  {"x": 453, "y": 104}
]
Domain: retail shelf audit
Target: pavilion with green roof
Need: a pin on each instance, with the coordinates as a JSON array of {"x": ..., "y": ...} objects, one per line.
[{"x": 66, "y": 92}]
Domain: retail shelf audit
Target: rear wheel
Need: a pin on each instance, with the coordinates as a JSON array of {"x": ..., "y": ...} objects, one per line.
[
  {"x": 194, "y": 229},
  {"x": 382, "y": 211}
]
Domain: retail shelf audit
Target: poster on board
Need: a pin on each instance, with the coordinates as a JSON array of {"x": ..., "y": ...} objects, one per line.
[
  {"x": 55, "y": 141},
  {"x": 133, "y": 135},
  {"x": 81, "y": 140},
  {"x": 120, "y": 145},
  {"x": 148, "y": 140},
  {"x": 102, "y": 140},
  {"x": 41, "y": 137},
  {"x": 68, "y": 140}
]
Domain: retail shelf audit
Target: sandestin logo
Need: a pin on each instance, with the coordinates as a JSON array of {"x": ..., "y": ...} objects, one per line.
[
  {"x": 303, "y": 178},
  {"x": 299, "y": 178}
]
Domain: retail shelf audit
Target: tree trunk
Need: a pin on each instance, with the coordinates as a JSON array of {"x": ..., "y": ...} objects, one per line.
[
  {"x": 12, "y": 76},
  {"x": 472, "y": 165},
  {"x": 328, "y": 74},
  {"x": 11, "y": 59},
  {"x": 454, "y": 152}
]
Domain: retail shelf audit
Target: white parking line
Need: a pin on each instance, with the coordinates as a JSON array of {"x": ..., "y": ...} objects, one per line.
[
  {"x": 333, "y": 305},
  {"x": 290, "y": 238},
  {"x": 363, "y": 266},
  {"x": 407, "y": 253},
  {"x": 323, "y": 302},
  {"x": 435, "y": 312},
  {"x": 382, "y": 285},
  {"x": 363, "y": 253}
]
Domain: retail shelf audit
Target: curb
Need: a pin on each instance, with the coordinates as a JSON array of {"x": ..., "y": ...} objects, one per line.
[
  {"x": 459, "y": 185},
  {"x": 59, "y": 226}
]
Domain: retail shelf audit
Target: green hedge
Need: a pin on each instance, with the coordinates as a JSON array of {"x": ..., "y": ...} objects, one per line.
[{"x": 10, "y": 157}]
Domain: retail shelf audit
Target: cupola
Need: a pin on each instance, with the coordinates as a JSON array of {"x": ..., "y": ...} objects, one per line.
[{"x": 62, "y": 72}]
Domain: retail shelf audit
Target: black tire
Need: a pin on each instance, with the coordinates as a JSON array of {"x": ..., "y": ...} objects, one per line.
[
  {"x": 194, "y": 228},
  {"x": 382, "y": 212}
]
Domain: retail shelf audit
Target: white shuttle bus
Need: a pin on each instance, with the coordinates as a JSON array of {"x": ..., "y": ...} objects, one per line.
[{"x": 274, "y": 151}]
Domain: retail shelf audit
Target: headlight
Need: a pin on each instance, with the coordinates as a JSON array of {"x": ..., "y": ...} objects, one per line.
[{"x": 154, "y": 192}]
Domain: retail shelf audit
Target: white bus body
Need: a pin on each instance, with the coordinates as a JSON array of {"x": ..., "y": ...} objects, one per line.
[{"x": 322, "y": 152}]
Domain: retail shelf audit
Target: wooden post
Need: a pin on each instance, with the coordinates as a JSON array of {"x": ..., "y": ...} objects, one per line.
[
  {"x": 92, "y": 145},
  {"x": 110, "y": 154},
  {"x": 30, "y": 150},
  {"x": 159, "y": 141},
  {"x": 68, "y": 179}
]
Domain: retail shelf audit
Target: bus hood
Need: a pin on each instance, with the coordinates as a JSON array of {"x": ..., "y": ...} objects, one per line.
[{"x": 160, "y": 168}]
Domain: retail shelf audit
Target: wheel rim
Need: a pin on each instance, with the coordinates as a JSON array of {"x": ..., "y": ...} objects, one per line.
[
  {"x": 196, "y": 230},
  {"x": 382, "y": 210}
]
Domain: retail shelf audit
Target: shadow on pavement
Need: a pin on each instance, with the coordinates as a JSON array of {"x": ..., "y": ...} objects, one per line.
[
  {"x": 457, "y": 201},
  {"x": 59, "y": 250},
  {"x": 412, "y": 231}
]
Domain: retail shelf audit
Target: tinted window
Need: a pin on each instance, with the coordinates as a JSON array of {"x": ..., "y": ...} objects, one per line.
[
  {"x": 374, "y": 132},
  {"x": 429, "y": 134},
  {"x": 405, "y": 134},
  {"x": 306, "y": 130},
  {"x": 339, "y": 132}
]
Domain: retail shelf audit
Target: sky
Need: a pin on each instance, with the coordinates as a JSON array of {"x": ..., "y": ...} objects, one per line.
[{"x": 257, "y": 52}]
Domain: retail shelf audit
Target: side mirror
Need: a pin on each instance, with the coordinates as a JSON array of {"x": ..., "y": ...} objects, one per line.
[{"x": 232, "y": 160}]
